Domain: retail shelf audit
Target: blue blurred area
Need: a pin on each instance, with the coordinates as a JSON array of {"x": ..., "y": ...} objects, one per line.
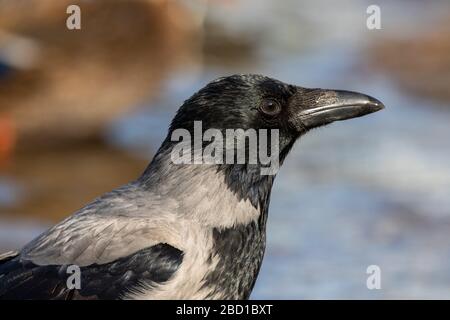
[{"x": 5, "y": 70}]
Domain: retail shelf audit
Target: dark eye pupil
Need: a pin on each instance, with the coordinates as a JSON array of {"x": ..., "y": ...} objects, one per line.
[{"x": 270, "y": 107}]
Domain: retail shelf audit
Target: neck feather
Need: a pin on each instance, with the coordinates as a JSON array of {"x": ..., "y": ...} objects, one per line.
[{"x": 217, "y": 195}]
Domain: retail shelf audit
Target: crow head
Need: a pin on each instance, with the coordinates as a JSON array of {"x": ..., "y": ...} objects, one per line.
[
  {"x": 259, "y": 102},
  {"x": 275, "y": 111}
]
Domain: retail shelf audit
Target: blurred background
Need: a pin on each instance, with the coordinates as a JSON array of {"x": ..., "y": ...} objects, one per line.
[{"x": 83, "y": 111}]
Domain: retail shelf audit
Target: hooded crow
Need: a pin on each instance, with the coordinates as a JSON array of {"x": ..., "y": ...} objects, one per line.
[{"x": 181, "y": 230}]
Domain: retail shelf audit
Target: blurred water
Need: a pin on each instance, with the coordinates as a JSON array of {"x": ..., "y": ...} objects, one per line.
[
  {"x": 14, "y": 234},
  {"x": 9, "y": 192}
]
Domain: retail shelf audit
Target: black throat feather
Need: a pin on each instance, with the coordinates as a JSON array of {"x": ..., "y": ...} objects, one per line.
[{"x": 240, "y": 249}]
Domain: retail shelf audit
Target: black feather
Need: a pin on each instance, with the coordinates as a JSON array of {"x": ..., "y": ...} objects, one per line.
[{"x": 21, "y": 279}]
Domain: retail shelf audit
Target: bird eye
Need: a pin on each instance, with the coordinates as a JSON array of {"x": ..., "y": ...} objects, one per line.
[{"x": 270, "y": 107}]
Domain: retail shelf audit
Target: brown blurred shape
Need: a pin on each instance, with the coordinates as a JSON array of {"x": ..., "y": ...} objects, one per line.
[
  {"x": 82, "y": 79},
  {"x": 66, "y": 86},
  {"x": 7, "y": 140},
  {"x": 421, "y": 64}
]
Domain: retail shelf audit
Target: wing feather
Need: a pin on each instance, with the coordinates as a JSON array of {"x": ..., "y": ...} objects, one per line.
[{"x": 22, "y": 279}]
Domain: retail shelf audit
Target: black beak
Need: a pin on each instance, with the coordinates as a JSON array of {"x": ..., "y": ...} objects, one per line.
[{"x": 336, "y": 106}]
